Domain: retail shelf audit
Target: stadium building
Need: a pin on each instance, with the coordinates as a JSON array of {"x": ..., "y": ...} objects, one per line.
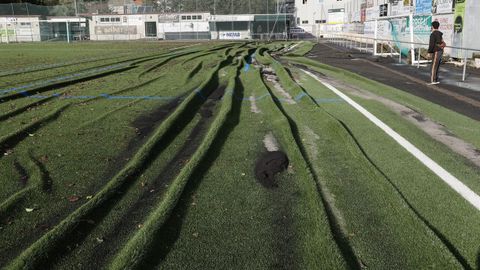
[
  {"x": 150, "y": 26},
  {"x": 33, "y": 28}
]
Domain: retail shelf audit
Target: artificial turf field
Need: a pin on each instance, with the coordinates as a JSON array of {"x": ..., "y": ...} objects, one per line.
[{"x": 233, "y": 155}]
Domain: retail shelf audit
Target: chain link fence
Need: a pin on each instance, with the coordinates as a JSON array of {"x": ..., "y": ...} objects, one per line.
[{"x": 80, "y": 20}]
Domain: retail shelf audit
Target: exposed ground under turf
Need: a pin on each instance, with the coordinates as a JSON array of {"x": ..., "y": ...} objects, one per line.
[{"x": 225, "y": 156}]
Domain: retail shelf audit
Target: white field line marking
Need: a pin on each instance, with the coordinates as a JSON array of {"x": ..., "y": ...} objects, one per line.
[
  {"x": 294, "y": 46},
  {"x": 447, "y": 177}
]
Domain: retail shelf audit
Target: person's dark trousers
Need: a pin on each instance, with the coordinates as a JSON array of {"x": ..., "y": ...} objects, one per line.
[{"x": 437, "y": 60}]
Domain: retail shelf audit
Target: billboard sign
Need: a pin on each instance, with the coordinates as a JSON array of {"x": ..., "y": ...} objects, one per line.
[
  {"x": 230, "y": 35},
  {"x": 458, "y": 27},
  {"x": 442, "y": 6},
  {"x": 336, "y": 16},
  {"x": 446, "y": 27},
  {"x": 383, "y": 10},
  {"x": 363, "y": 13},
  {"x": 423, "y": 6},
  {"x": 372, "y": 13}
]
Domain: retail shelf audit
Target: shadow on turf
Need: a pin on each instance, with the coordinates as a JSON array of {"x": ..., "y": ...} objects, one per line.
[
  {"x": 478, "y": 260},
  {"x": 170, "y": 231},
  {"x": 70, "y": 240}
]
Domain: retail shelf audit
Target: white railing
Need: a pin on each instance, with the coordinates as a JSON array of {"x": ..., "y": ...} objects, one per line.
[{"x": 367, "y": 44}]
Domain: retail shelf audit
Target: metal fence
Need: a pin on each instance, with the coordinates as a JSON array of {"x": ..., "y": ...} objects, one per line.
[
  {"x": 80, "y": 7},
  {"x": 386, "y": 47}
]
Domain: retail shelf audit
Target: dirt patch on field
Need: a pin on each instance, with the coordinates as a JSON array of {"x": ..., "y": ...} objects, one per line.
[
  {"x": 253, "y": 104},
  {"x": 435, "y": 130},
  {"x": 269, "y": 75},
  {"x": 270, "y": 142},
  {"x": 268, "y": 165},
  {"x": 310, "y": 141}
]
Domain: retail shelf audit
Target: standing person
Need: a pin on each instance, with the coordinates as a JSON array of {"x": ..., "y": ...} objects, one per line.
[{"x": 435, "y": 50}]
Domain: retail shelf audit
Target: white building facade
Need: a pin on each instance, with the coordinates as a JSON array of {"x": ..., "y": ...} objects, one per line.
[
  {"x": 19, "y": 29},
  {"x": 150, "y": 26}
]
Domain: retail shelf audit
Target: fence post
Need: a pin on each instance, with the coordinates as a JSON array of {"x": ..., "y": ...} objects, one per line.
[
  {"x": 68, "y": 32},
  {"x": 419, "y": 56},
  {"x": 375, "y": 36},
  {"x": 6, "y": 32},
  {"x": 412, "y": 46},
  {"x": 400, "y": 55},
  {"x": 464, "y": 68}
]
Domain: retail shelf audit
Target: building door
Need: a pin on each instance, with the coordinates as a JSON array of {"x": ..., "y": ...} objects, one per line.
[{"x": 150, "y": 29}]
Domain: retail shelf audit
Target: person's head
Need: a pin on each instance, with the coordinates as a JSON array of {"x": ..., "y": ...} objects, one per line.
[{"x": 435, "y": 25}]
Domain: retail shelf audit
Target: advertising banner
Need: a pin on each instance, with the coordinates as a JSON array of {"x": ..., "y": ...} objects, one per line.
[
  {"x": 8, "y": 32},
  {"x": 372, "y": 13},
  {"x": 446, "y": 27},
  {"x": 383, "y": 10},
  {"x": 398, "y": 30},
  {"x": 369, "y": 28},
  {"x": 336, "y": 16},
  {"x": 458, "y": 27},
  {"x": 230, "y": 35},
  {"x": 400, "y": 8},
  {"x": 442, "y": 6},
  {"x": 363, "y": 13},
  {"x": 423, "y": 6},
  {"x": 472, "y": 31}
]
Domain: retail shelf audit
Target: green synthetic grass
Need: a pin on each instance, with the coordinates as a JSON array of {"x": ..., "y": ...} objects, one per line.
[
  {"x": 134, "y": 252},
  {"x": 41, "y": 248},
  {"x": 101, "y": 194},
  {"x": 87, "y": 165},
  {"x": 428, "y": 195},
  {"x": 228, "y": 203},
  {"x": 372, "y": 207}
]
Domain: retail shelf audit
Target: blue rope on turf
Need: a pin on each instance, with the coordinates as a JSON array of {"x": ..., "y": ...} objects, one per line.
[
  {"x": 197, "y": 92},
  {"x": 59, "y": 79}
]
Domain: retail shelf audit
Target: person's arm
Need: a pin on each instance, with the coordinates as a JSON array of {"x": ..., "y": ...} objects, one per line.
[{"x": 431, "y": 45}]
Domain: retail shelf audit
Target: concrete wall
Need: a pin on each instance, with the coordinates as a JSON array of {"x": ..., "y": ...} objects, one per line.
[
  {"x": 315, "y": 10},
  {"x": 123, "y": 27}
]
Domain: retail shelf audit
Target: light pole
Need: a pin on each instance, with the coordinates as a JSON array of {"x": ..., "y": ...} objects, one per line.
[{"x": 76, "y": 11}]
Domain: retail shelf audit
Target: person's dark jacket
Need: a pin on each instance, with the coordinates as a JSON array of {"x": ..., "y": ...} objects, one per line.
[{"x": 436, "y": 39}]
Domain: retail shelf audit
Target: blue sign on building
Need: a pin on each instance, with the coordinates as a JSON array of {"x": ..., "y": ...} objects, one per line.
[{"x": 423, "y": 6}]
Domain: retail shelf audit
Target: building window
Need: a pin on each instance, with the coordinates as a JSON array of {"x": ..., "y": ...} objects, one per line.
[
  {"x": 189, "y": 17},
  {"x": 124, "y": 19},
  {"x": 304, "y": 1},
  {"x": 320, "y": 21},
  {"x": 112, "y": 19},
  {"x": 199, "y": 17},
  {"x": 304, "y": 22},
  {"x": 25, "y": 24}
]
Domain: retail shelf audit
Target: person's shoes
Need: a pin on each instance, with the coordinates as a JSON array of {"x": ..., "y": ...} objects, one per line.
[{"x": 434, "y": 83}]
